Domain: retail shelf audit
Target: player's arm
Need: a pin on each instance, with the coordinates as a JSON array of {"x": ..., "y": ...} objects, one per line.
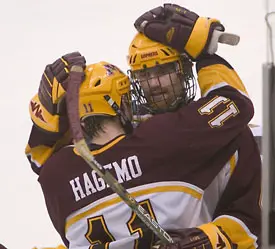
[
  {"x": 54, "y": 197},
  {"x": 237, "y": 219},
  {"x": 210, "y": 126},
  {"x": 191, "y": 34},
  {"x": 214, "y": 72},
  {"x": 239, "y": 209},
  {"x": 48, "y": 111},
  {"x": 238, "y": 214},
  {"x": 42, "y": 145}
]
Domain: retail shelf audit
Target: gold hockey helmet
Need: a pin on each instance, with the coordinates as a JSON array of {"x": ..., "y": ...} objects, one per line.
[
  {"x": 145, "y": 53},
  {"x": 102, "y": 90},
  {"x": 152, "y": 62}
]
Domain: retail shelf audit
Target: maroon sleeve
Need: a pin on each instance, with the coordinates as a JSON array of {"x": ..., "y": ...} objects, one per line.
[
  {"x": 53, "y": 187},
  {"x": 195, "y": 134},
  {"x": 41, "y": 145},
  {"x": 207, "y": 126},
  {"x": 239, "y": 209}
]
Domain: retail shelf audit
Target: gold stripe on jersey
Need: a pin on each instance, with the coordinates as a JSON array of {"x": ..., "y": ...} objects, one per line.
[
  {"x": 108, "y": 146},
  {"x": 237, "y": 231},
  {"x": 39, "y": 154},
  {"x": 188, "y": 190},
  {"x": 210, "y": 76},
  {"x": 107, "y": 245},
  {"x": 233, "y": 162}
]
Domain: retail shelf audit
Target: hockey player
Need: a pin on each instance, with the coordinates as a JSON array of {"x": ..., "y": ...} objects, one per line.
[
  {"x": 159, "y": 70},
  {"x": 196, "y": 169}
]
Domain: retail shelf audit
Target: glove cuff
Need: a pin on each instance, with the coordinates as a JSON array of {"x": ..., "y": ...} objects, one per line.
[
  {"x": 217, "y": 238},
  {"x": 41, "y": 117},
  {"x": 199, "y": 38}
]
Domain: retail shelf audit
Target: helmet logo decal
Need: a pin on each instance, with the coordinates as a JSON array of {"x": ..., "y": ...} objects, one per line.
[
  {"x": 88, "y": 107},
  {"x": 111, "y": 69},
  {"x": 151, "y": 54},
  {"x": 37, "y": 111}
]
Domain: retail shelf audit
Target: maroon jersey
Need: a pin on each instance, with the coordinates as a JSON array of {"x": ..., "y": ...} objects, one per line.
[{"x": 197, "y": 165}]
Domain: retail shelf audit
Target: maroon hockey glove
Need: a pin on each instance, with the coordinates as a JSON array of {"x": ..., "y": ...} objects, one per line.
[
  {"x": 48, "y": 108},
  {"x": 178, "y": 28},
  {"x": 207, "y": 236},
  {"x": 54, "y": 81}
]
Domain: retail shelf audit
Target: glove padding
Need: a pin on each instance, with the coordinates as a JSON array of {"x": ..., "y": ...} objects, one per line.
[
  {"x": 207, "y": 236},
  {"x": 47, "y": 108},
  {"x": 178, "y": 28}
]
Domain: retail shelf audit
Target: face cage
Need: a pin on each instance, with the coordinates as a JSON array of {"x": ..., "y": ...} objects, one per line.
[{"x": 185, "y": 78}]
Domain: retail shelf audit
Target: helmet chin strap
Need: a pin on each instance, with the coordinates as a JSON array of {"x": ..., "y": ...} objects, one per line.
[{"x": 125, "y": 122}]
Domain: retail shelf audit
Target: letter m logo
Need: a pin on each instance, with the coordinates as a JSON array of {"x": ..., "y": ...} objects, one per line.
[{"x": 37, "y": 111}]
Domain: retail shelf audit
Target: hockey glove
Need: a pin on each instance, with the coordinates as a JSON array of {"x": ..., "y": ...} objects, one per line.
[
  {"x": 47, "y": 108},
  {"x": 207, "y": 236},
  {"x": 179, "y": 28}
]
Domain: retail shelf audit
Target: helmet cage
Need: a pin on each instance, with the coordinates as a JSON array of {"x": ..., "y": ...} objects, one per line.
[{"x": 182, "y": 86}]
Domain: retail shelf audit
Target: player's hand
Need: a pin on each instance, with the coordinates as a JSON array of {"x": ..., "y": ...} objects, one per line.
[
  {"x": 207, "y": 236},
  {"x": 179, "y": 28},
  {"x": 47, "y": 108}
]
